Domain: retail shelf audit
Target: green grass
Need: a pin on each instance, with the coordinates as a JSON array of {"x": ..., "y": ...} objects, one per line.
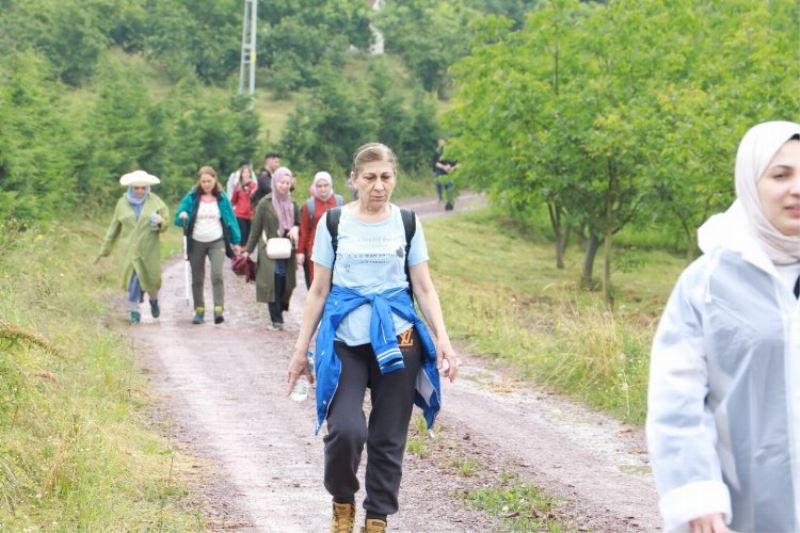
[
  {"x": 419, "y": 440},
  {"x": 77, "y": 450},
  {"x": 520, "y": 506},
  {"x": 414, "y": 186},
  {"x": 503, "y": 295},
  {"x": 465, "y": 466},
  {"x": 273, "y": 115}
]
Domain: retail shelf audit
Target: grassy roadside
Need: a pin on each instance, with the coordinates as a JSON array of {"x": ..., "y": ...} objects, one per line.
[
  {"x": 504, "y": 296},
  {"x": 77, "y": 451}
]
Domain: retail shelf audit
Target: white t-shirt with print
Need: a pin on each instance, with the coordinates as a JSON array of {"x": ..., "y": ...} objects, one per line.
[{"x": 208, "y": 224}]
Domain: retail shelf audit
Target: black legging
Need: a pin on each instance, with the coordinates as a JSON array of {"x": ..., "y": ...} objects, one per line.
[{"x": 244, "y": 228}]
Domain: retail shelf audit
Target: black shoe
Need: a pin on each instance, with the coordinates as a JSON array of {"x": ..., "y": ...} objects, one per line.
[
  {"x": 154, "y": 309},
  {"x": 218, "y": 318}
]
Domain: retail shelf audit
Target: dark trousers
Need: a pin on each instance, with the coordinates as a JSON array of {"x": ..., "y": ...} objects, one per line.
[
  {"x": 276, "y": 306},
  {"x": 244, "y": 229},
  {"x": 392, "y": 397},
  {"x": 197, "y": 260},
  {"x": 439, "y": 188}
]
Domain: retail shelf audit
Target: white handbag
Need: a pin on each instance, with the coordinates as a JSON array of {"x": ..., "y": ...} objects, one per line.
[{"x": 278, "y": 247}]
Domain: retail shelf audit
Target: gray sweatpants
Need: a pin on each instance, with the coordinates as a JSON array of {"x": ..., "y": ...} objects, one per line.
[
  {"x": 385, "y": 434},
  {"x": 197, "y": 259}
]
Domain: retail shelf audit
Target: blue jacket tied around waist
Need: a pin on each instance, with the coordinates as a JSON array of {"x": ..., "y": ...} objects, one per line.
[{"x": 383, "y": 338}]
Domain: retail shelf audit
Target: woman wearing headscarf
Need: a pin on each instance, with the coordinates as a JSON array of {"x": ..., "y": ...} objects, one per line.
[
  {"x": 322, "y": 198},
  {"x": 276, "y": 216},
  {"x": 139, "y": 219},
  {"x": 723, "y": 424}
]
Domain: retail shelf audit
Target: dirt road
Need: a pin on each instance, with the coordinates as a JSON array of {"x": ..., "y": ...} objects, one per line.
[{"x": 223, "y": 388}]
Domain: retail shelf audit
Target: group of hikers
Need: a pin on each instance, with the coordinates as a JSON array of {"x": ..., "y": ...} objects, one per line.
[
  {"x": 723, "y": 405},
  {"x": 219, "y": 224},
  {"x": 365, "y": 265}
]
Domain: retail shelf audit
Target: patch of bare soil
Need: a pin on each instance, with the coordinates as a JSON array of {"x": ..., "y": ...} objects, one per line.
[{"x": 260, "y": 465}]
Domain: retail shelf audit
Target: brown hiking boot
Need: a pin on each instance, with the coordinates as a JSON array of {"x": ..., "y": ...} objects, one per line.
[
  {"x": 344, "y": 518},
  {"x": 374, "y": 525}
]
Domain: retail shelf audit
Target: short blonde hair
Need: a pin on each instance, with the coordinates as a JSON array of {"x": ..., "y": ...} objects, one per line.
[{"x": 371, "y": 152}]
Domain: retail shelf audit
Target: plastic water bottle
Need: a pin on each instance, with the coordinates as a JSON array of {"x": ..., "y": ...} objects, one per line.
[{"x": 300, "y": 390}]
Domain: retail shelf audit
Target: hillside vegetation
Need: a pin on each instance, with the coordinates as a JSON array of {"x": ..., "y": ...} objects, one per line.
[{"x": 78, "y": 450}]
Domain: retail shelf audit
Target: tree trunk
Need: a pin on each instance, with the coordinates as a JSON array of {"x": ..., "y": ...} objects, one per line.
[
  {"x": 583, "y": 240},
  {"x": 691, "y": 243},
  {"x": 559, "y": 233},
  {"x": 561, "y": 246},
  {"x": 608, "y": 231},
  {"x": 607, "y": 268},
  {"x": 592, "y": 245}
]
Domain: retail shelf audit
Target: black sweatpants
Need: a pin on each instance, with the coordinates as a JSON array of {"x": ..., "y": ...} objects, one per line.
[{"x": 385, "y": 434}]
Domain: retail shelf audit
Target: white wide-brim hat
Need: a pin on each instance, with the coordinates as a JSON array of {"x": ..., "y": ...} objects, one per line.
[{"x": 138, "y": 178}]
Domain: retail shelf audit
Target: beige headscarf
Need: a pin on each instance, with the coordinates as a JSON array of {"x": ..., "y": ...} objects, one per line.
[{"x": 759, "y": 145}]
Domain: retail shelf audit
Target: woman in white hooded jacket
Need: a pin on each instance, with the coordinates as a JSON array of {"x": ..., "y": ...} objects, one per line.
[{"x": 723, "y": 423}]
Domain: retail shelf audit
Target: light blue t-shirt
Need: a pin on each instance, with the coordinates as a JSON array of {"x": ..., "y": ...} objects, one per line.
[{"x": 370, "y": 258}]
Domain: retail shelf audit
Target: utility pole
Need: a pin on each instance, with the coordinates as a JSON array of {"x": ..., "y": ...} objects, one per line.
[{"x": 247, "y": 69}]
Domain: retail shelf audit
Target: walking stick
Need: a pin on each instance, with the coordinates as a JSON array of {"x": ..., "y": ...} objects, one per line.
[{"x": 186, "y": 263}]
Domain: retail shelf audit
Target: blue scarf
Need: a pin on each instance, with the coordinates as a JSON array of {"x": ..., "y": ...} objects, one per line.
[
  {"x": 383, "y": 338},
  {"x": 136, "y": 203}
]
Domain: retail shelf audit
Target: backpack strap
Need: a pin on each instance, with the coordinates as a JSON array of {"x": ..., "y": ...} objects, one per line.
[
  {"x": 332, "y": 217},
  {"x": 410, "y": 227},
  {"x": 310, "y": 206}
]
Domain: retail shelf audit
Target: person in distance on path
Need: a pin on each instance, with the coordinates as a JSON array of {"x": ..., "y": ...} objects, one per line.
[
  {"x": 370, "y": 336},
  {"x": 139, "y": 219},
  {"x": 242, "y": 201},
  {"x": 723, "y": 422},
  {"x": 275, "y": 216},
  {"x": 264, "y": 182},
  {"x": 322, "y": 198},
  {"x": 207, "y": 216}
]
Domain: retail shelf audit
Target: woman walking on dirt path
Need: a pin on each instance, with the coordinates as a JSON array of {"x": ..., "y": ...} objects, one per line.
[
  {"x": 322, "y": 198},
  {"x": 207, "y": 217},
  {"x": 724, "y": 410},
  {"x": 139, "y": 218},
  {"x": 276, "y": 216},
  {"x": 371, "y": 336},
  {"x": 241, "y": 200}
]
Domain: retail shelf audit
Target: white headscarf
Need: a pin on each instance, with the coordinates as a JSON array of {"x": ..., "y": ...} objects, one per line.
[
  {"x": 321, "y": 176},
  {"x": 759, "y": 145}
]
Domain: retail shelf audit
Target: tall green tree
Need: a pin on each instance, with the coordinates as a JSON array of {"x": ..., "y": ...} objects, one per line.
[
  {"x": 295, "y": 38},
  {"x": 429, "y": 35},
  {"x": 328, "y": 124},
  {"x": 613, "y": 113},
  {"x": 37, "y": 170}
]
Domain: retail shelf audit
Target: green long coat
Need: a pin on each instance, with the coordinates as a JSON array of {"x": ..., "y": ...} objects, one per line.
[
  {"x": 141, "y": 243},
  {"x": 265, "y": 220}
]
